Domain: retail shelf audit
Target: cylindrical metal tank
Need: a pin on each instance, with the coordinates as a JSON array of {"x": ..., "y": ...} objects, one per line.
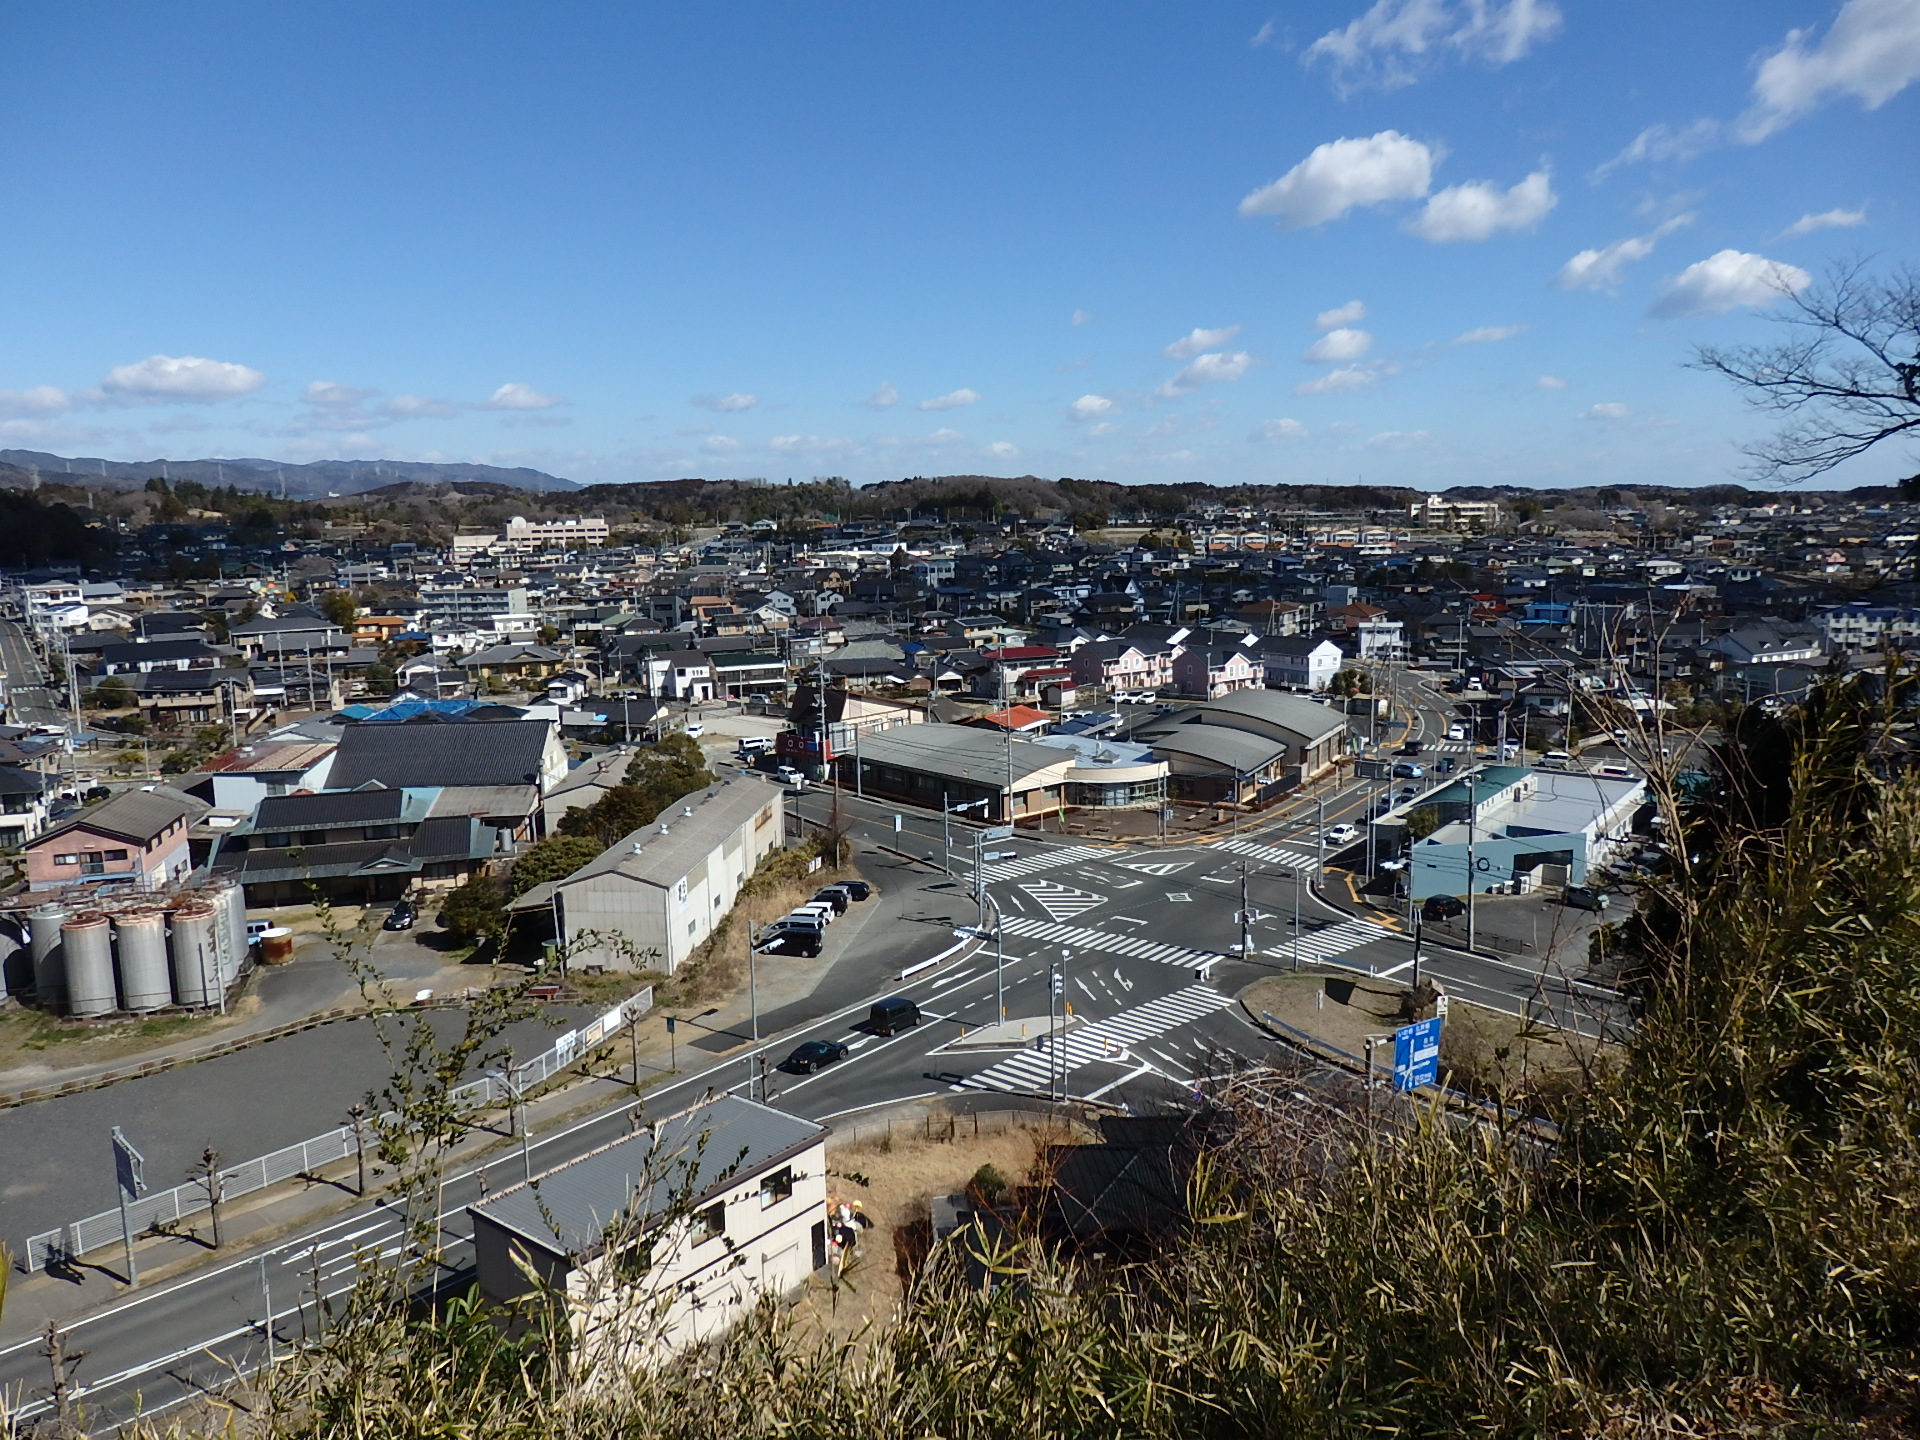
[
  {"x": 87, "y": 942},
  {"x": 146, "y": 983},
  {"x": 49, "y": 962},
  {"x": 233, "y": 914},
  {"x": 195, "y": 947},
  {"x": 276, "y": 945}
]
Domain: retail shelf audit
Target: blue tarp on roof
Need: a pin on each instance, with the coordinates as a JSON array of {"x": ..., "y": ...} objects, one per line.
[{"x": 408, "y": 710}]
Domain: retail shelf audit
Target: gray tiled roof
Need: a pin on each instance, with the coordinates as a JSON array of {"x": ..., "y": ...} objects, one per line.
[
  {"x": 506, "y": 752},
  {"x": 697, "y": 1153},
  {"x": 133, "y": 815}
]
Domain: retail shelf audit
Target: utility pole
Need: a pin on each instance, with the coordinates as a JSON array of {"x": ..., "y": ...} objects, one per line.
[
  {"x": 1473, "y": 816},
  {"x": 357, "y": 1117},
  {"x": 753, "y": 990},
  {"x": 129, "y": 1167},
  {"x": 1296, "y": 917},
  {"x": 1246, "y": 916}
]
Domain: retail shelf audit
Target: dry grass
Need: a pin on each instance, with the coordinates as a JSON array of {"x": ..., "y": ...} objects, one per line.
[
  {"x": 902, "y": 1178},
  {"x": 30, "y": 1040}
]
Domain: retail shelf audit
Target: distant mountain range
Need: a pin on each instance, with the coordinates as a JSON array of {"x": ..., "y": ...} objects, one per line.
[{"x": 312, "y": 481}]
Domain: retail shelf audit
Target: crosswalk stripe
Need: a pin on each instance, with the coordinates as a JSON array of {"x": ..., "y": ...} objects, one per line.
[
  {"x": 1273, "y": 854},
  {"x": 1047, "y": 859},
  {"x": 1072, "y": 935},
  {"x": 1103, "y": 1039}
]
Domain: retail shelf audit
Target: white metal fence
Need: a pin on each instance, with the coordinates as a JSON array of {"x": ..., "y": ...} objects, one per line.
[{"x": 165, "y": 1208}]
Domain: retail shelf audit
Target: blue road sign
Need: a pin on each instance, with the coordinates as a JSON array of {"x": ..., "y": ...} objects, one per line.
[{"x": 1416, "y": 1054}]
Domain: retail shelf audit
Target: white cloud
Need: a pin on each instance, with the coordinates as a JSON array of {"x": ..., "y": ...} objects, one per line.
[
  {"x": 1396, "y": 39},
  {"x": 1489, "y": 334},
  {"x": 952, "y": 400},
  {"x": 1347, "y": 314},
  {"x": 1206, "y": 370},
  {"x": 1342, "y": 174},
  {"x": 1663, "y": 142},
  {"x": 1825, "y": 220},
  {"x": 1725, "y": 281},
  {"x": 1606, "y": 410},
  {"x": 884, "y": 396},
  {"x": 514, "y": 396},
  {"x": 182, "y": 377},
  {"x": 719, "y": 444},
  {"x": 326, "y": 393},
  {"x": 1871, "y": 52},
  {"x": 1551, "y": 382},
  {"x": 1399, "y": 440},
  {"x": 1600, "y": 269},
  {"x": 417, "y": 407},
  {"x": 727, "y": 403},
  {"x": 943, "y": 436},
  {"x": 1103, "y": 429},
  {"x": 1341, "y": 381},
  {"x": 1092, "y": 407},
  {"x": 1192, "y": 343},
  {"x": 1003, "y": 450},
  {"x": 1082, "y": 317},
  {"x": 1338, "y": 346},
  {"x": 38, "y": 400},
  {"x": 1479, "y": 210},
  {"x": 1279, "y": 430},
  {"x": 809, "y": 444}
]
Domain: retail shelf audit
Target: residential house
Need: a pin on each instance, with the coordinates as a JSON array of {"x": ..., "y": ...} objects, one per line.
[
  {"x": 667, "y": 1237},
  {"x": 24, "y": 800},
  {"x": 514, "y": 662},
  {"x": 1119, "y": 665},
  {"x": 1212, "y": 670},
  {"x": 354, "y": 847},
  {"x": 243, "y": 777},
  {"x": 1299, "y": 662},
  {"x": 136, "y": 839},
  {"x": 431, "y": 750}
]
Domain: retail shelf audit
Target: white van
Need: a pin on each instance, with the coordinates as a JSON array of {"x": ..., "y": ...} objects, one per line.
[
  {"x": 1555, "y": 760},
  {"x": 820, "y": 909}
]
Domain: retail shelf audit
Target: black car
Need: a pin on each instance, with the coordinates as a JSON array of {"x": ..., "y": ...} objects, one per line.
[
  {"x": 1442, "y": 907},
  {"x": 856, "y": 889},
  {"x": 833, "y": 895},
  {"x": 401, "y": 917},
  {"x": 804, "y": 943},
  {"x": 811, "y": 1056}
]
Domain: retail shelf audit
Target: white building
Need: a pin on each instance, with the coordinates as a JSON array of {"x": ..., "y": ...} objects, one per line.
[
  {"x": 523, "y": 537},
  {"x": 1440, "y": 513},
  {"x": 1528, "y": 828},
  {"x": 651, "y": 900},
  {"x": 663, "y": 1239}
]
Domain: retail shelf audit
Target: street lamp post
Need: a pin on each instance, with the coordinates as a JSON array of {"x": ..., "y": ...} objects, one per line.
[{"x": 518, "y": 1103}]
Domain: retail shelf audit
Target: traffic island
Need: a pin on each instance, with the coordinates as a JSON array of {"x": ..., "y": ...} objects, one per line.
[
  {"x": 1014, "y": 1034},
  {"x": 1482, "y": 1052}
]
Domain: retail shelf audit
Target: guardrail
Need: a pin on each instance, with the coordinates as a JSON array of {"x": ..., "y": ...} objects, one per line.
[{"x": 156, "y": 1212}]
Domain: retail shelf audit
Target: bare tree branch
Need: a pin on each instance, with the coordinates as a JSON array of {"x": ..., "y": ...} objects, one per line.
[{"x": 1846, "y": 379}]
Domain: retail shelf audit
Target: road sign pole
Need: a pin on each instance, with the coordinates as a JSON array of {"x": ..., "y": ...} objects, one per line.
[{"x": 129, "y": 1171}]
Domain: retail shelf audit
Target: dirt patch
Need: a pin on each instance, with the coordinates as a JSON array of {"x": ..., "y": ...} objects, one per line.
[
  {"x": 1481, "y": 1051},
  {"x": 900, "y": 1180}
]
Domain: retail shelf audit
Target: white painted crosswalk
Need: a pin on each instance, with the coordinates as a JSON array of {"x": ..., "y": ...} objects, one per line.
[
  {"x": 1290, "y": 856},
  {"x": 1049, "y": 858},
  {"x": 1079, "y": 938},
  {"x": 1337, "y": 940},
  {"x": 1061, "y": 902},
  {"x": 1104, "y": 1040}
]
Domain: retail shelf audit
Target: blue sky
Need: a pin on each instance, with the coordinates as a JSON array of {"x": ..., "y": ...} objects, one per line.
[{"x": 1429, "y": 242}]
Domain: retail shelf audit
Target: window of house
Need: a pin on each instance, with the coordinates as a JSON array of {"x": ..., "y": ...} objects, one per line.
[
  {"x": 710, "y": 1223},
  {"x": 66, "y": 859},
  {"x": 116, "y": 854},
  {"x": 776, "y": 1187}
]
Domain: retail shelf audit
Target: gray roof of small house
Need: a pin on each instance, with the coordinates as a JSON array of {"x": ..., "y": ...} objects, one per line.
[{"x": 693, "y": 1155}]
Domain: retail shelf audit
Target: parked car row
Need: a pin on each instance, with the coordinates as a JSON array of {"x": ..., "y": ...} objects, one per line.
[{"x": 802, "y": 930}]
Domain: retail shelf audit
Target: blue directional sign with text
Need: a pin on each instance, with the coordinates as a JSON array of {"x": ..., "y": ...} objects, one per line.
[{"x": 1416, "y": 1054}]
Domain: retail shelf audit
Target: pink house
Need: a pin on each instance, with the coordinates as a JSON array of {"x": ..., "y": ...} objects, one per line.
[{"x": 137, "y": 839}]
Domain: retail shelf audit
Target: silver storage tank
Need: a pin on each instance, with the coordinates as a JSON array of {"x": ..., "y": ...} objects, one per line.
[
  {"x": 195, "y": 946},
  {"x": 49, "y": 963},
  {"x": 87, "y": 942},
  {"x": 146, "y": 982},
  {"x": 232, "y": 903}
]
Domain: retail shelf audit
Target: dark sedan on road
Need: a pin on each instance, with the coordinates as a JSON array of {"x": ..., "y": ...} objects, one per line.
[{"x": 813, "y": 1055}]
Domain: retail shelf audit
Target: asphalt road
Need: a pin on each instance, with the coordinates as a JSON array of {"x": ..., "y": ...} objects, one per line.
[
  {"x": 1147, "y": 941},
  {"x": 29, "y": 701}
]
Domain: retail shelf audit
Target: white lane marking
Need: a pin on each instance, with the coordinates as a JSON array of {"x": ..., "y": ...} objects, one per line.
[
  {"x": 1061, "y": 902},
  {"x": 1116, "y": 1084}
]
